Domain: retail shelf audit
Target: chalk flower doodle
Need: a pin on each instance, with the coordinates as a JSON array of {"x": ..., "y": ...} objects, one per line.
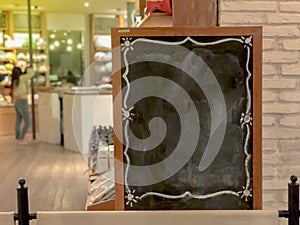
[
  {"x": 246, "y": 119},
  {"x": 127, "y": 44},
  {"x": 247, "y": 41},
  {"x": 127, "y": 114},
  {"x": 246, "y": 193},
  {"x": 131, "y": 198}
]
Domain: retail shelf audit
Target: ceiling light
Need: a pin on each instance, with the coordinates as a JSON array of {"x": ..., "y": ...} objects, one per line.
[
  {"x": 69, "y": 48},
  {"x": 52, "y": 36},
  {"x": 79, "y": 46},
  {"x": 56, "y": 43},
  {"x": 51, "y": 47},
  {"x": 70, "y": 41},
  {"x": 86, "y": 4}
]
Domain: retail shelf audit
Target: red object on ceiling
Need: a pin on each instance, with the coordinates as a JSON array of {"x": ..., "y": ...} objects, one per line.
[{"x": 158, "y": 5}]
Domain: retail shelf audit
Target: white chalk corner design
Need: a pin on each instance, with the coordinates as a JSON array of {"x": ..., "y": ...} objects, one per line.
[{"x": 131, "y": 198}]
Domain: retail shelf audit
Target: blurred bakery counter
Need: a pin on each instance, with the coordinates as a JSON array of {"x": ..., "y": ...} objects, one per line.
[
  {"x": 51, "y": 114},
  {"x": 83, "y": 109},
  {"x": 49, "y": 117},
  {"x": 67, "y": 116}
]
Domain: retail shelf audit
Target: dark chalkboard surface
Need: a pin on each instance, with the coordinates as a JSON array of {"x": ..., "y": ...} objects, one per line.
[{"x": 187, "y": 116}]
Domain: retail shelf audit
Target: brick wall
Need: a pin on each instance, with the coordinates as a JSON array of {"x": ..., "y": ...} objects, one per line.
[{"x": 281, "y": 87}]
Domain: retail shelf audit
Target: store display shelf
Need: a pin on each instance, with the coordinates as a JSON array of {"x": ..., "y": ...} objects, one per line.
[{"x": 108, "y": 205}]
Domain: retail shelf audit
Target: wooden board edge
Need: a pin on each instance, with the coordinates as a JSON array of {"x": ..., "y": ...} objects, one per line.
[{"x": 117, "y": 120}]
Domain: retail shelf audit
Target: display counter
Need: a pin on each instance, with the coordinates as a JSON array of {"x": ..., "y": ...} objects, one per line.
[
  {"x": 65, "y": 117},
  {"x": 81, "y": 111},
  {"x": 49, "y": 117}
]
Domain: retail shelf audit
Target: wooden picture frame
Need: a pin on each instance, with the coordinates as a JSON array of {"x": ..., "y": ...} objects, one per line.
[{"x": 229, "y": 175}]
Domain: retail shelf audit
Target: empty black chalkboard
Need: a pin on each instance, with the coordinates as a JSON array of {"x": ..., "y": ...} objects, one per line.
[{"x": 187, "y": 117}]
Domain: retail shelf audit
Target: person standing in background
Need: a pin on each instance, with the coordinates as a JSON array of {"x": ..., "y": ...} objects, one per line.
[{"x": 19, "y": 94}]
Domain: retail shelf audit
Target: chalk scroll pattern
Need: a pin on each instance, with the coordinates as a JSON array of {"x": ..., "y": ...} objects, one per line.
[{"x": 245, "y": 192}]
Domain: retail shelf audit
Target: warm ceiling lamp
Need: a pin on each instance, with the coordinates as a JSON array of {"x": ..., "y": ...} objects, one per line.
[{"x": 86, "y": 4}]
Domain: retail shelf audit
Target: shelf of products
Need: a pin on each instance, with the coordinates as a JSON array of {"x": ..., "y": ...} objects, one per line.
[
  {"x": 7, "y": 59},
  {"x": 101, "y": 194},
  {"x": 101, "y": 184},
  {"x": 102, "y": 67},
  {"x": 19, "y": 56},
  {"x": 101, "y": 59},
  {"x": 14, "y": 49}
]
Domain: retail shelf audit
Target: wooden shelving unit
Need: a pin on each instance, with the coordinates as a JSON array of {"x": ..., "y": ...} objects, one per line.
[
  {"x": 100, "y": 27},
  {"x": 11, "y": 29}
]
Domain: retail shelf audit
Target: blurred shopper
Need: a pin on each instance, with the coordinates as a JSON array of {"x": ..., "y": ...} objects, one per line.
[{"x": 19, "y": 93}]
